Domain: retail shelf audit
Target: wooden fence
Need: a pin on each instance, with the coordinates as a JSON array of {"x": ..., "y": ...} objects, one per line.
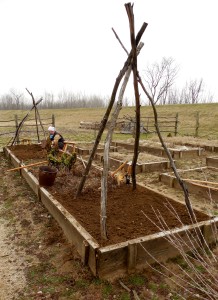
[
  {"x": 168, "y": 125},
  {"x": 126, "y": 125},
  {"x": 27, "y": 131}
]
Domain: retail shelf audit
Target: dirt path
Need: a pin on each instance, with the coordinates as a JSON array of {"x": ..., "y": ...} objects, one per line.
[
  {"x": 12, "y": 278},
  {"x": 24, "y": 246},
  {"x": 12, "y": 262}
]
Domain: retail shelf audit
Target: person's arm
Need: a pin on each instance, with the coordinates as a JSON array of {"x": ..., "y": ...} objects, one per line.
[{"x": 55, "y": 141}]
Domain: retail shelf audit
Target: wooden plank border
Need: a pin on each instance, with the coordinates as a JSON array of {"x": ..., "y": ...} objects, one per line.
[
  {"x": 133, "y": 255},
  {"x": 176, "y": 153},
  {"x": 212, "y": 161},
  {"x": 193, "y": 187},
  {"x": 140, "y": 167}
]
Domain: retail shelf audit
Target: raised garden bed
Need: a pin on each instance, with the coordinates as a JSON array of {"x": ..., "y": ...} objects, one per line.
[
  {"x": 210, "y": 145},
  {"x": 150, "y": 164},
  {"x": 177, "y": 152},
  {"x": 201, "y": 184},
  {"x": 210, "y": 148},
  {"x": 146, "y": 162},
  {"x": 128, "y": 227},
  {"x": 86, "y": 148}
]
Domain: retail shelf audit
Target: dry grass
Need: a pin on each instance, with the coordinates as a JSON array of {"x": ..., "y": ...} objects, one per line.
[{"x": 68, "y": 120}]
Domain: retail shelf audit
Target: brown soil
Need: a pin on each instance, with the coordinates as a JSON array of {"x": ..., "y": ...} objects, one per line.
[
  {"x": 130, "y": 214},
  {"x": 26, "y": 152},
  {"x": 125, "y": 209}
]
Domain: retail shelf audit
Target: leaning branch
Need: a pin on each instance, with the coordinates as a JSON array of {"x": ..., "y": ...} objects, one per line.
[
  {"x": 129, "y": 9},
  {"x": 37, "y": 115},
  {"x": 173, "y": 166},
  {"x": 23, "y": 120},
  {"x": 107, "y": 113}
]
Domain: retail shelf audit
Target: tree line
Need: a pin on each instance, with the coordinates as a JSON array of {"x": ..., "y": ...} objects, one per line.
[
  {"x": 159, "y": 79},
  {"x": 13, "y": 100}
]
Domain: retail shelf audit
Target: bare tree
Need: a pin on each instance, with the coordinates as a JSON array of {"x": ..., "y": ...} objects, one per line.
[
  {"x": 49, "y": 100},
  {"x": 208, "y": 98},
  {"x": 17, "y": 98},
  {"x": 7, "y": 101},
  {"x": 159, "y": 78},
  {"x": 173, "y": 96},
  {"x": 195, "y": 88},
  {"x": 192, "y": 92}
]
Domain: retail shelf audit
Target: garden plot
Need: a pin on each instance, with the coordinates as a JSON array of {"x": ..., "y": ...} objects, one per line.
[
  {"x": 210, "y": 148},
  {"x": 86, "y": 148},
  {"x": 128, "y": 228},
  {"x": 208, "y": 145},
  {"x": 177, "y": 151},
  {"x": 146, "y": 162},
  {"x": 202, "y": 181}
]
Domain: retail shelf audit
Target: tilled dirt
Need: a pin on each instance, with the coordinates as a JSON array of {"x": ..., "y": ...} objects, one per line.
[
  {"x": 130, "y": 213},
  {"x": 126, "y": 209}
]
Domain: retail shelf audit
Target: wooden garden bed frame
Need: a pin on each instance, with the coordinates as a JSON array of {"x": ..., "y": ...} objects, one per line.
[
  {"x": 115, "y": 163},
  {"x": 140, "y": 167},
  {"x": 213, "y": 148},
  {"x": 212, "y": 161},
  {"x": 119, "y": 259},
  {"x": 195, "y": 186},
  {"x": 159, "y": 151}
]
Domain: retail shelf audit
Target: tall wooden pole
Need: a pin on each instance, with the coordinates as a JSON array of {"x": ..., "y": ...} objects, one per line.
[
  {"x": 129, "y": 9},
  {"x": 35, "y": 108},
  {"x": 173, "y": 166},
  {"x": 107, "y": 113}
]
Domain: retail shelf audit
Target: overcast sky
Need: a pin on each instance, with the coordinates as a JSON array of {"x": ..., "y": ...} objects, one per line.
[{"x": 55, "y": 45}]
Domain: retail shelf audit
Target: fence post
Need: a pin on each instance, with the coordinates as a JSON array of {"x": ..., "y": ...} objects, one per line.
[
  {"x": 53, "y": 120},
  {"x": 147, "y": 126},
  {"x": 16, "y": 126},
  {"x": 197, "y": 124},
  {"x": 95, "y": 131},
  {"x": 176, "y": 124}
]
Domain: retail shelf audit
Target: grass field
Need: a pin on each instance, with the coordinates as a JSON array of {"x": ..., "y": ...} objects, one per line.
[{"x": 67, "y": 120}]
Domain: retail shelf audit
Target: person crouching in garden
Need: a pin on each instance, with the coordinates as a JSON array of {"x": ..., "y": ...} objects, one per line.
[{"x": 55, "y": 139}]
